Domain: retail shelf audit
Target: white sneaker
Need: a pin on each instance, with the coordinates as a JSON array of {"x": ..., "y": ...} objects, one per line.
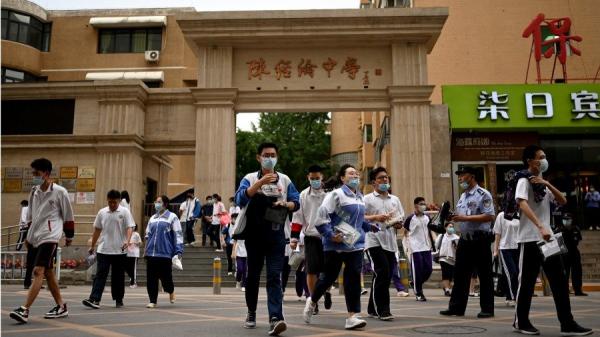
[
  {"x": 510, "y": 303},
  {"x": 193, "y": 244},
  {"x": 402, "y": 293},
  {"x": 133, "y": 286},
  {"x": 151, "y": 305},
  {"x": 308, "y": 310},
  {"x": 353, "y": 322},
  {"x": 186, "y": 245},
  {"x": 243, "y": 289},
  {"x": 229, "y": 273}
]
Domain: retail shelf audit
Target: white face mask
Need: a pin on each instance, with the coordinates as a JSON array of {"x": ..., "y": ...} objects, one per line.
[{"x": 543, "y": 165}]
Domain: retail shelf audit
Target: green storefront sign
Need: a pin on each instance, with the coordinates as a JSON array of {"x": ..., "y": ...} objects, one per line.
[{"x": 545, "y": 108}]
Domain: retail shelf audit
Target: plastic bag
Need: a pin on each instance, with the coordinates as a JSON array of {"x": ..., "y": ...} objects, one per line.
[
  {"x": 177, "y": 265},
  {"x": 349, "y": 233}
]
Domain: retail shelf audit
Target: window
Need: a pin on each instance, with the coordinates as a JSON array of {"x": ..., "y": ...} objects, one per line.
[
  {"x": 17, "y": 76},
  {"x": 38, "y": 117},
  {"x": 25, "y": 29},
  {"x": 136, "y": 40},
  {"x": 367, "y": 133}
]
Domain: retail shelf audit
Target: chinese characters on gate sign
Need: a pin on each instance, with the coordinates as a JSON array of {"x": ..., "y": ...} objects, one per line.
[
  {"x": 283, "y": 69},
  {"x": 493, "y": 105}
]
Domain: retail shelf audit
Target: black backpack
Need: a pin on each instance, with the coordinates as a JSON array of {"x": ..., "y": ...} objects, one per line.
[{"x": 511, "y": 208}]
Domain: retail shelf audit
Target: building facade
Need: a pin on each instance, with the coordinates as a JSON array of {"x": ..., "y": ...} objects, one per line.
[
  {"x": 482, "y": 44},
  {"x": 110, "y": 115}
]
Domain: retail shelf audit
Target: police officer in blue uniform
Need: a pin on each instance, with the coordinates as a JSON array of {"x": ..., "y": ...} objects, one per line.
[{"x": 475, "y": 214}]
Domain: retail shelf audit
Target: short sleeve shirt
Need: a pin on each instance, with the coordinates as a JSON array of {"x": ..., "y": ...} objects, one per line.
[
  {"x": 114, "y": 227},
  {"x": 528, "y": 232},
  {"x": 474, "y": 202},
  {"x": 508, "y": 231}
]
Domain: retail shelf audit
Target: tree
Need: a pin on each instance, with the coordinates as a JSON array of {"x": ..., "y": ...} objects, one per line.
[{"x": 302, "y": 139}]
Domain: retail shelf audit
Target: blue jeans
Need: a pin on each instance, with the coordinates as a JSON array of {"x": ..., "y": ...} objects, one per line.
[{"x": 271, "y": 249}]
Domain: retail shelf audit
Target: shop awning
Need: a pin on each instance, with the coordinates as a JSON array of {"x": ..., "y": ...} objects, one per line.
[{"x": 129, "y": 21}]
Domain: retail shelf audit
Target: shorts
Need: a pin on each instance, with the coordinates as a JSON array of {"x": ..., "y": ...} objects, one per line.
[
  {"x": 313, "y": 255},
  {"x": 44, "y": 254},
  {"x": 447, "y": 271}
]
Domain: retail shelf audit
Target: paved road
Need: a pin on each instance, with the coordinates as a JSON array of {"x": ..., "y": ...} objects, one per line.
[{"x": 199, "y": 313}]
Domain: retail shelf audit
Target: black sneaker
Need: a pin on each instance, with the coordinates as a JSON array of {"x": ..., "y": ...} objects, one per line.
[
  {"x": 91, "y": 303},
  {"x": 57, "y": 312},
  {"x": 250, "y": 320},
  {"x": 277, "y": 326},
  {"x": 20, "y": 314},
  {"x": 485, "y": 315},
  {"x": 575, "y": 329},
  {"x": 527, "y": 330},
  {"x": 451, "y": 313},
  {"x": 421, "y": 298},
  {"x": 316, "y": 309},
  {"x": 327, "y": 300},
  {"x": 386, "y": 316},
  {"x": 580, "y": 293},
  {"x": 119, "y": 304}
]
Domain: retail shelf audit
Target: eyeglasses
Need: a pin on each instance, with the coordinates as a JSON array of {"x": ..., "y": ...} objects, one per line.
[{"x": 269, "y": 155}]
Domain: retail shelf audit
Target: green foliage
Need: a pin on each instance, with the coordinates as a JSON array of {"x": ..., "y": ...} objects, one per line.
[{"x": 302, "y": 139}]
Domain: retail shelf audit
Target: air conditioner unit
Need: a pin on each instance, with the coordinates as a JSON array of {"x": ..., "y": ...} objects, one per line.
[{"x": 152, "y": 55}]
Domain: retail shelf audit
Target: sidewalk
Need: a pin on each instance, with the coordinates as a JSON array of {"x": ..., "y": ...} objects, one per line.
[{"x": 199, "y": 313}]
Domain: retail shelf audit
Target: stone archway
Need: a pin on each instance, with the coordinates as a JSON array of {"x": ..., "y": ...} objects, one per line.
[{"x": 315, "y": 60}]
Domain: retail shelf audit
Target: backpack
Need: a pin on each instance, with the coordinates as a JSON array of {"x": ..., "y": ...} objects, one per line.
[
  {"x": 510, "y": 206},
  {"x": 197, "y": 209}
]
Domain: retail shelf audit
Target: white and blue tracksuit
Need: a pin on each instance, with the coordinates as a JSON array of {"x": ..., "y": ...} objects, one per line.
[{"x": 164, "y": 240}]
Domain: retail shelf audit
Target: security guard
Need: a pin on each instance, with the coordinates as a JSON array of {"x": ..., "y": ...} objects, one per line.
[{"x": 475, "y": 213}]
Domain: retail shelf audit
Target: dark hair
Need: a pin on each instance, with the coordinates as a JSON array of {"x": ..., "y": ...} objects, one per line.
[
  {"x": 263, "y": 146},
  {"x": 331, "y": 184},
  {"x": 529, "y": 153},
  {"x": 216, "y": 196},
  {"x": 125, "y": 195},
  {"x": 419, "y": 199},
  {"x": 113, "y": 194},
  {"x": 342, "y": 171},
  {"x": 165, "y": 201},
  {"x": 24, "y": 203},
  {"x": 208, "y": 197},
  {"x": 42, "y": 164},
  {"x": 315, "y": 169},
  {"x": 373, "y": 174},
  {"x": 231, "y": 199}
]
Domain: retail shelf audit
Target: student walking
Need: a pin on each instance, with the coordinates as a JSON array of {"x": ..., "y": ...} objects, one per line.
[
  {"x": 164, "y": 241},
  {"x": 49, "y": 214},
  {"x": 343, "y": 226},
  {"x": 113, "y": 227}
]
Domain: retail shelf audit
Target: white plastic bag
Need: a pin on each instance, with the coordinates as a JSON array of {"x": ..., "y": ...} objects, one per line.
[{"x": 177, "y": 265}]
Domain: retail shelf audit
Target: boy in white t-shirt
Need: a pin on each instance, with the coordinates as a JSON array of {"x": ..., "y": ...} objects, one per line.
[{"x": 533, "y": 195}]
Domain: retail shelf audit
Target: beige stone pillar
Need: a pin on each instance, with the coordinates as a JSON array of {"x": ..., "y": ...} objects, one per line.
[
  {"x": 121, "y": 119},
  {"x": 409, "y": 123},
  {"x": 215, "y": 142},
  {"x": 410, "y": 143}
]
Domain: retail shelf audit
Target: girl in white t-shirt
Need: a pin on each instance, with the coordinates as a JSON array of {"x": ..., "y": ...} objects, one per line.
[
  {"x": 133, "y": 253},
  {"x": 446, "y": 244}
]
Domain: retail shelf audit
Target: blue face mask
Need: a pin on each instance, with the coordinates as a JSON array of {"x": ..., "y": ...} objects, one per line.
[
  {"x": 353, "y": 183},
  {"x": 268, "y": 163},
  {"x": 464, "y": 185},
  {"x": 158, "y": 206},
  {"x": 315, "y": 184},
  {"x": 383, "y": 187},
  {"x": 37, "y": 180},
  {"x": 450, "y": 230}
]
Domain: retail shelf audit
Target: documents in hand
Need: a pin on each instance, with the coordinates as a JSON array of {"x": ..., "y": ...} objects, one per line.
[{"x": 555, "y": 246}]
